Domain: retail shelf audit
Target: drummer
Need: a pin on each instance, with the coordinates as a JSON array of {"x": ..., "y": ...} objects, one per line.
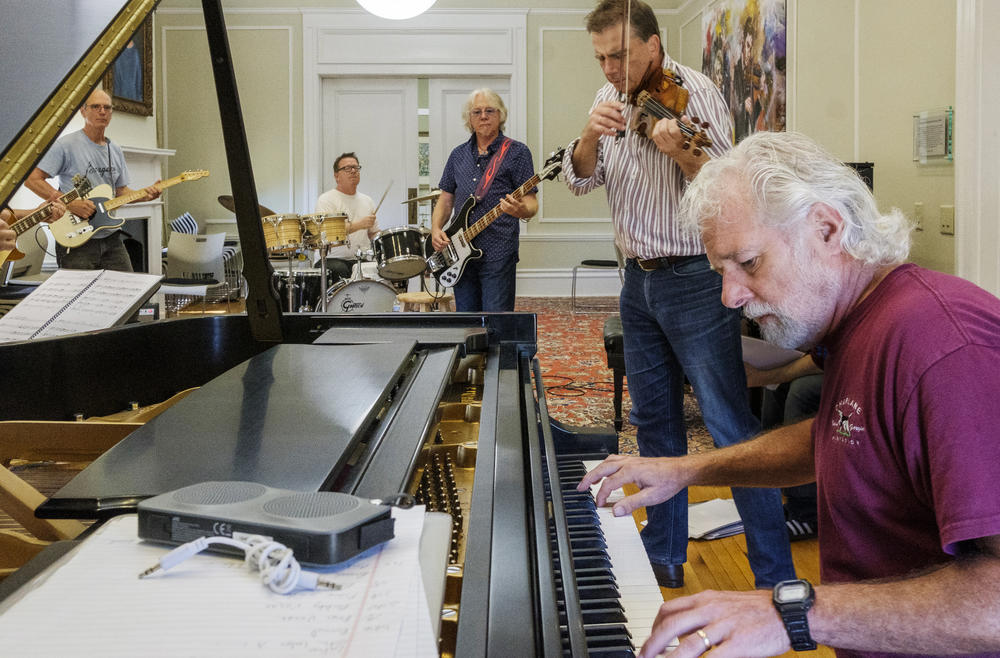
[{"x": 359, "y": 208}]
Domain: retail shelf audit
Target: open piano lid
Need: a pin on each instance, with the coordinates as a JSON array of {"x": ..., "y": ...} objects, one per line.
[{"x": 50, "y": 67}]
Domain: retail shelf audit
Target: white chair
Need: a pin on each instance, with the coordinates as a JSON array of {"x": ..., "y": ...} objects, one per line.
[{"x": 195, "y": 269}]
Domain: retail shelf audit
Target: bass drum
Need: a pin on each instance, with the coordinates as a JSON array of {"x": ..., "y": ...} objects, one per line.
[{"x": 361, "y": 296}]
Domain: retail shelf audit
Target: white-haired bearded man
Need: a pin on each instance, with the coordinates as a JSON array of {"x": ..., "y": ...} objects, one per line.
[{"x": 903, "y": 449}]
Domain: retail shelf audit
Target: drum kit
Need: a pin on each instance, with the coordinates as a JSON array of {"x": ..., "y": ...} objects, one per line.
[{"x": 397, "y": 254}]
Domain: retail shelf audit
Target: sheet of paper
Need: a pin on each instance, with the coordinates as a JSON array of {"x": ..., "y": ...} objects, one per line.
[
  {"x": 212, "y": 605},
  {"x": 711, "y": 515},
  {"x": 72, "y": 301},
  {"x": 763, "y": 355}
]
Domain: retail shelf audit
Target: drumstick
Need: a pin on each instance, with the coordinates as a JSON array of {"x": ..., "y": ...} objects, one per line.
[{"x": 383, "y": 197}]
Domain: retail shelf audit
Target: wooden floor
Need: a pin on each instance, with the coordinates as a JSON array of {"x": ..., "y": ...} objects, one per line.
[{"x": 721, "y": 564}]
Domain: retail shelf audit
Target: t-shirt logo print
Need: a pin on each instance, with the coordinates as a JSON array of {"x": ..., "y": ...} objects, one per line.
[{"x": 847, "y": 409}]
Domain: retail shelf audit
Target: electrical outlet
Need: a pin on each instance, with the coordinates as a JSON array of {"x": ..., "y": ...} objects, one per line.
[
  {"x": 947, "y": 220},
  {"x": 918, "y": 215}
]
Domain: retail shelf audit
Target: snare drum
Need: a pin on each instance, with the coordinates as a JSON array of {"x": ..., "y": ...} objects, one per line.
[
  {"x": 361, "y": 296},
  {"x": 282, "y": 233},
  {"x": 399, "y": 252},
  {"x": 325, "y": 229}
]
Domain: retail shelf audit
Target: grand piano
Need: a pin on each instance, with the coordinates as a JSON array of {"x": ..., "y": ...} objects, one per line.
[{"x": 448, "y": 407}]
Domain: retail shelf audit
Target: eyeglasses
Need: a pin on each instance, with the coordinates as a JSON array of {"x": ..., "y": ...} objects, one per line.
[
  {"x": 351, "y": 168},
  {"x": 488, "y": 111},
  {"x": 99, "y": 106}
]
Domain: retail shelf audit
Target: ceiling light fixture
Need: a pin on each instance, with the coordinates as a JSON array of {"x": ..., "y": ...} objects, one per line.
[{"x": 396, "y": 9}]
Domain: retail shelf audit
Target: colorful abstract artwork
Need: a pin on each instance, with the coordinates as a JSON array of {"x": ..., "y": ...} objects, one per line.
[{"x": 744, "y": 54}]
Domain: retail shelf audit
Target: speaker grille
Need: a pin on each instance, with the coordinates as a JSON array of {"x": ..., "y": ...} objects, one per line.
[
  {"x": 219, "y": 493},
  {"x": 309, "y": 505}
]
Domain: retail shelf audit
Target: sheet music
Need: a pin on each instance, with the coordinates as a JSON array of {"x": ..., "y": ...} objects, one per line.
[
  {"x": 72, "y": 301},
  {"x": 212, "y": 605},
  {"x": 764, "y": 355}
]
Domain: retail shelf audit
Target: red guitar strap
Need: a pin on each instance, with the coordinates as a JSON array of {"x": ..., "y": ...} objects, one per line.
[{"x": 492, "y": 168}]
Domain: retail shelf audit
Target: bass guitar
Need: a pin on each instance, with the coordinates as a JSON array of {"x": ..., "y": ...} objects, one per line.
[
  {"x": 43, "y": 214},
  {"x": 448, "y": 264},
  {"x": 72, "y": 231}
]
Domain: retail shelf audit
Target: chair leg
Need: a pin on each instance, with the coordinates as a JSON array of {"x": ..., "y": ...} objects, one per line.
[
  {"x": 572, "y": 292},
  {"x": 619, "y": 392}
]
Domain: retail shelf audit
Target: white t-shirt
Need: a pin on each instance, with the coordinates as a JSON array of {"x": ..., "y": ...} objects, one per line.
[{"x": 356, "y": 206}]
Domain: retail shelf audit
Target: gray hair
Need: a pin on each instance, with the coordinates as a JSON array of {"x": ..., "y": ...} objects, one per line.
[
  {"x": 783, "y": 174},
  {"x": 494, "y": 101}
]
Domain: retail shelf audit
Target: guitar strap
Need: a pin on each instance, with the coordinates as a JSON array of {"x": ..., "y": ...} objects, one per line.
[{"x": 491, "y": 169}]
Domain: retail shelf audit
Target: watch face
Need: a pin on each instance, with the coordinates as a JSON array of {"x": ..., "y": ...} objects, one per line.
[{"x": 792, "y": 592}]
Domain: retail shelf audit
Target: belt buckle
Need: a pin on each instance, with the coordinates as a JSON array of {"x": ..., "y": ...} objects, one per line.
[{"x": 643, "y": 267}]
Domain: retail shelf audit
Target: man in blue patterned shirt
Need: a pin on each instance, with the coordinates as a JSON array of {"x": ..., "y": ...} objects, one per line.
[{"x": 489, "y": 166}]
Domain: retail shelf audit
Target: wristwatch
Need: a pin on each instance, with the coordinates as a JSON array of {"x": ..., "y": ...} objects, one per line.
[{"x": 793, "y": 598}]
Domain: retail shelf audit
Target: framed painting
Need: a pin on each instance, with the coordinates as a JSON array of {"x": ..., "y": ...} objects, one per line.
[
  {"x": 744, "y": 54},
  {"x": 129, "y": 80}
]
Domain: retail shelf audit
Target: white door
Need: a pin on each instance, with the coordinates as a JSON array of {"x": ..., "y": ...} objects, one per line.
[
  {"x": 446, "y": 96},
  {"x": 377, "y": 119}
]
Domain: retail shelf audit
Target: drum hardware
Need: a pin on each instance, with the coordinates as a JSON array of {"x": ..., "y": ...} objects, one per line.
[
  {"x": 324, "y": 231},
  {"x": 426, "y": 197}
]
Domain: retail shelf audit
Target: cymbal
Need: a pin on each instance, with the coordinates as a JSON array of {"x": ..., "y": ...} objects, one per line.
[
  {"x": 433, "y": 195},
  {"x": 230, "y": 204}
]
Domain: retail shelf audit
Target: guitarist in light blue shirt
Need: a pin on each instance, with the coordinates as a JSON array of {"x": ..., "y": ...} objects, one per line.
[{"x": 90, "y": 153}]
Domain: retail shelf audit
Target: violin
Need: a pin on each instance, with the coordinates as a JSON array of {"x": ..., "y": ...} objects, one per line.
[{"x": 661, "y": 95}]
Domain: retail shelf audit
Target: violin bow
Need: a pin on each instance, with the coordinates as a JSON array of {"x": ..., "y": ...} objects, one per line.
[{"x": 626, "y": 46}]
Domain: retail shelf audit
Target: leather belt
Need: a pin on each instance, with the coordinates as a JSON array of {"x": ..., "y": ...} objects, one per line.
[{"x": 650, "y": 264}]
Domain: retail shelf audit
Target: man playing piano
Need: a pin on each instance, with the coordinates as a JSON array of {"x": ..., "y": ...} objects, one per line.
[
  {"x": 904, "y": 448},
  {"x": 90, "y": 153}
]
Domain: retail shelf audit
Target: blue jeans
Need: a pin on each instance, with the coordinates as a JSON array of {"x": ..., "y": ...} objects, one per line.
[
  {"x": 96, "y": 254},
  {"x": 675, "y": 326},
  {"x": 487, "y": 285}
]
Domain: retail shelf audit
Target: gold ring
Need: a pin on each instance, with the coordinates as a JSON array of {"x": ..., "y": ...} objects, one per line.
[{"x": 704, "y": 638}]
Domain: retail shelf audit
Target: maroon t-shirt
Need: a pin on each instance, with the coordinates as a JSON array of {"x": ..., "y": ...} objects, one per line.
[{"x": 908, "y": 431}]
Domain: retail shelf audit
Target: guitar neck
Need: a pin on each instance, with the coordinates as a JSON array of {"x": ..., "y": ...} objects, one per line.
[
  {"x": 42, "y": 214},
  {"x": 488, "y": 218},
  {"x": 135, "y": 195}
]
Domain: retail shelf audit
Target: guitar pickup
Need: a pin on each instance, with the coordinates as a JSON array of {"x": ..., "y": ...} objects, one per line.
[{"x": 82, "y": 231}]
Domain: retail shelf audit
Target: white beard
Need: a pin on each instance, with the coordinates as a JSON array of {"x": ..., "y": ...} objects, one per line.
[{"x": 799, "y": 320}]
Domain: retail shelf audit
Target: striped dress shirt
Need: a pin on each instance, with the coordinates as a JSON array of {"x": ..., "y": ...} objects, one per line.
[{"x": 644, "y": 186}]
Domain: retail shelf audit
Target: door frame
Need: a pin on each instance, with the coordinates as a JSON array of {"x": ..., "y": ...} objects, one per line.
[{"x": 338, "y": 43}]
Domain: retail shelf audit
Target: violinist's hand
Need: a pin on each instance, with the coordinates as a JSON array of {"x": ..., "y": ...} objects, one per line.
[
  {"x": 670, "y": 140},
  {"x": 605, "y": 119},
  {"x": 732, "y": 622},
  {"x": 439, "y": 239},
  {"x": 658, "y": 479}
]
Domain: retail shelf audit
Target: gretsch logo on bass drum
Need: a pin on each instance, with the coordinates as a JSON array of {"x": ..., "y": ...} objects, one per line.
[{"x": 349, "y": 304}]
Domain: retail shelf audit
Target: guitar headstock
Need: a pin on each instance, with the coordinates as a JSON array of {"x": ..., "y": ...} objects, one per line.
[
  {"x": 553, "y": 165},
  {"x": 193, "y": 174},
  {"x": 82, "y": 185}
]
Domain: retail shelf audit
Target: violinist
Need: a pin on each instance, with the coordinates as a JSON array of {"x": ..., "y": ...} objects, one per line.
[{"x": 674, "y": 322}]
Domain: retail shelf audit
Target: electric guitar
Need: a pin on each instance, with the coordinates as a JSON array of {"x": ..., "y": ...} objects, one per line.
[
  {"x": 448, "y": 264},
  {"x": 43, "y": 214},
  {"x": 72, "y": 231}
]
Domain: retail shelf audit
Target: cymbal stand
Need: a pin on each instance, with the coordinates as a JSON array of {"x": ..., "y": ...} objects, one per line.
[
  {"x": 322, "y": 276},
  {"x": 290, "y": 284}
]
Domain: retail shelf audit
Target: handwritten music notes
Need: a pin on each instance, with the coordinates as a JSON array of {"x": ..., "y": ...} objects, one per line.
[
  {"x": 95, "y": 605},
  {"x": 71, "y": 301}
]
